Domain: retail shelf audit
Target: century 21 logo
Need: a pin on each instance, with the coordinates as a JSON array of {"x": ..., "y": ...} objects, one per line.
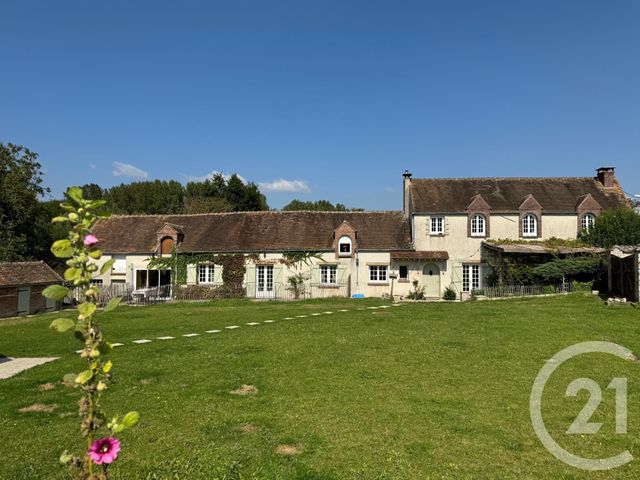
[{"x": 582, "y": 423}]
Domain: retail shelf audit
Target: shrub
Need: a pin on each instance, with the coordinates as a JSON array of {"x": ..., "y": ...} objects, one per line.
[
  {"x": 449, "y": 294},
  {"x": 417, "y": 293}
]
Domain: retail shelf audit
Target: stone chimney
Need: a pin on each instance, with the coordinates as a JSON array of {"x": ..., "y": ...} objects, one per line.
[
  {"x": 405, "y": 193},
  {"x": 606, "y": 176}
]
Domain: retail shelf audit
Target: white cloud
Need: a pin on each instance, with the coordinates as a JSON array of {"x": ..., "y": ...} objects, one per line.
[
  {"x": 128, "y": 170},
  {"x": 209, "y": 176},
  {"x": 282, "y": 185}
]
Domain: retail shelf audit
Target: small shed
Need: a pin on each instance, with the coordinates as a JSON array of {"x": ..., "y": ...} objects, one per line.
[
  {"x": 624, "y": 272},
  {"x": 21, "y": 286}
]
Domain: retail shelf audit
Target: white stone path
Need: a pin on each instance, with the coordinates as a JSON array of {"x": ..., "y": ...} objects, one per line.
[{"x": 11, "y": 366}]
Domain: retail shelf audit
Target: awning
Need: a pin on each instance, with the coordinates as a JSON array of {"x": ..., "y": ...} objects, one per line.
[
  {"x": 536, "y": 248},
  {"x": 423, "y": 256}
]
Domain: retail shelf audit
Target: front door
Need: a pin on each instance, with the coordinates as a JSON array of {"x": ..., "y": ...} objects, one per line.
[
  {"x": 24, "y": 300},
  {"x": 264, "y": 281},
  {"x": 431, "y": 280}
]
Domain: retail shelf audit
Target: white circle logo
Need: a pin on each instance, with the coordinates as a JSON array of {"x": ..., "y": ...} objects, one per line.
[{"x": 581, "y": 423}]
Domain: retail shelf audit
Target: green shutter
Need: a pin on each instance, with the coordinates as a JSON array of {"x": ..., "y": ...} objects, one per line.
[{"x": 192, "y": 277}]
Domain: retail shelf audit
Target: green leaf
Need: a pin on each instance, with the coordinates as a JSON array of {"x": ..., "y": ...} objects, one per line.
[
  {"x": 113, "y": 304},
  {"x": 55, "y": 292},
  {"x": 95, "y": 254},
  {"x": 70, "y": 274},
  {"x": 62, "y": 248},
  {"x": 69, "y": 378},
  {"x": 86, "y": 309},
  {"x": 65, "y": 458},
  {"x": 104, "y": 348},
  {"x": 62, "y": 324},
  {"x": 59, "y": 219},
  {"x": 106, "y": 368},
  {"x": 107, "y": 266},
  {"x": 96, "y": 203},
  {"x": 84, "y": 377},
  {"x": 75, "y": 193},
  {"x": 131, "y": 419}
]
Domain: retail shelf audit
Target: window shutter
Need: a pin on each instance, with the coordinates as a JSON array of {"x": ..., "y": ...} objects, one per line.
[
  {"x": 217, "y": 274},
  {"x": 456, "y": 278},
  {"x": 192, "y": 274},
  {"x": 251, "y": 281},
  {"x": 445, "y": 225},
  {"x": 341, "y": 275}
]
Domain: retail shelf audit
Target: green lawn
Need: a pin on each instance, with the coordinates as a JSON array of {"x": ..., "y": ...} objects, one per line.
[{"x": 421, "y": 391}]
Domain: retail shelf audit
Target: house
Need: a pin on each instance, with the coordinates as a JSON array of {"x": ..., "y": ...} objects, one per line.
[
  {"x": 21, "y": 286},
  {"x": 463, "y": 218},
  {"x": 443, "y": 237},
  {"x": 624, "y": 272},
  {"x": 353, "y": 250}
]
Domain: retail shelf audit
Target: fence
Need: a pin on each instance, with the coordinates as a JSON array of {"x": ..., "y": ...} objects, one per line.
[
  {"x": 500, "y": 291},
  {"x": 141, "y": 296},
  {"x": 305, "y": 291}
]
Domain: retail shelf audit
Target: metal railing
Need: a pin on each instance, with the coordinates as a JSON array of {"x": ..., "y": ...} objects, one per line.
[
  {"x": 287, "y": 292},
  {"x": 129, "y": 295},
  {"x": 500, "y": 291}
]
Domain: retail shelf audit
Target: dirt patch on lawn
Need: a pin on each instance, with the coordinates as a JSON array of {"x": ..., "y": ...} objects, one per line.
[
  {"x": 289, "y": 449},
  {"x": 249, "y": 428},
  {"x": 46, "y": 386},
  {"x": 145, "y": 381},
  {"x": 245, "y": 390},
  {"x": 39, "y": 407}
]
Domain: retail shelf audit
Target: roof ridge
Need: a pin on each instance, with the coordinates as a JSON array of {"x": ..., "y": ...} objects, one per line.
[
  {"x": 262, "y": 212},
  {"x": 505, "y": 178}
]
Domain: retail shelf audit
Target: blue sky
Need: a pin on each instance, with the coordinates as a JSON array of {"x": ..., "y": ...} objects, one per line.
[{"x": 330, "y": 99}]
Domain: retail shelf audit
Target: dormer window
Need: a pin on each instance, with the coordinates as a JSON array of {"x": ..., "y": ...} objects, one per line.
[
  {"x": 478, "y": 226},
  {"x": 529, "y": 225},
  {"x": 344, "y": 246},
  {"x": 166, "y": 245},
  {"x": 588, "y": 219}
]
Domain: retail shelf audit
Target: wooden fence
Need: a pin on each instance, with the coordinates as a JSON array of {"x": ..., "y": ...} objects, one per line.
[{"x": 500, "y": 291}]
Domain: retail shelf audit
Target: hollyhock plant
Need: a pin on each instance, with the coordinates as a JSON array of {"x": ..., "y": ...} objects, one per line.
[
  {"x": 82, "y": 259},
  {"x": 91, "y": 240},
  {"x": 104, "y": 450}
]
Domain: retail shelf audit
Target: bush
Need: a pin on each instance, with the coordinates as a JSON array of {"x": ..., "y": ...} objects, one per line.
[
  {"x": 200, "y": 292},
  {"x": 417, "y": 293},
  {"x": 582, "y": 268},
  {"x": 614, "y": 227},
  {"x": 449, "y": 294}
]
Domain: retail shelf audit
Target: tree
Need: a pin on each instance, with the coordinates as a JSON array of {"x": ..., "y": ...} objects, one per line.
[
  {"x": 150, "y": 197},
  {"x": 20, "y": 187},
  {"x": 319, "y": 205},
  {"x": 614, "y": 227},
  {"x": 92, "y": 191}
]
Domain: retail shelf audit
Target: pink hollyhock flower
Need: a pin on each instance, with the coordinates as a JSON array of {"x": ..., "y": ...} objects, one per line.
[
  {"x": 90, "y": 240},
  {"x": 104, "y": 450}
]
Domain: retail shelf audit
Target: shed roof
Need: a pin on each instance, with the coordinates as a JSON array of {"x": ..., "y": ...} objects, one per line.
[{"x": 16, "y": 274}]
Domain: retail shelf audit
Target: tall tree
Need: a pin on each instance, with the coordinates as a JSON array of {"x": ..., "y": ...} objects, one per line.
[
  {"x": 614, "y": 227},
  {"x": 319, "y": 205},
  {"x": 20, "y": 188}
]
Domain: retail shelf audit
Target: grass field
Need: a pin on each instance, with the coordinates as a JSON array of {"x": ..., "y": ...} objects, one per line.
[{"x": 421, "y": 391}]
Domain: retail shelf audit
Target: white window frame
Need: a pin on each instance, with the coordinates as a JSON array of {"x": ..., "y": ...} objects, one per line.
[
  {"x": 345, "y": 240},
  {"x": 471, "y": 279},
  {"x": 329, "y": 274},
  {"x": 378, "y": 273},
  {"x": 478, "y": 225},
  {"x": 529, "y": 225},
  {"x": 206, "y": 273},
  {"x": 436, "y": 225},
  {"x": 587, "y": 221}
]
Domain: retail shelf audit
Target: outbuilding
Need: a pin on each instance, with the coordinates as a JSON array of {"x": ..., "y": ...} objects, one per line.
[
  {"x": 21, "y": 286},
  {"x": 624, "y": 272}
]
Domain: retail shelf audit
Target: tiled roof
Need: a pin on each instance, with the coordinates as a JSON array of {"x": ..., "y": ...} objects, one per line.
[
  {"x": 505, "y": 195},
  {"x": 424, "y": 256},
  {"x": 27, "y": 273},
  {"x": 254, "y": 231}
]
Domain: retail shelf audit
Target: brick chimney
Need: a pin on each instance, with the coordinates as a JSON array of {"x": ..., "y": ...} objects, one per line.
[{"x": 606, "y": 176}]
